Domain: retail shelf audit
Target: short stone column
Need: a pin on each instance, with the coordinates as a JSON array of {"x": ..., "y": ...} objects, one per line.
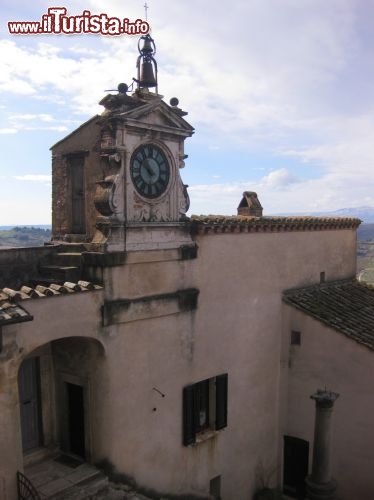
[{"x": 320, "y": 484}]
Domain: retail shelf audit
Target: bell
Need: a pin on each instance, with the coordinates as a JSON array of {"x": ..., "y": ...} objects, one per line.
[
  {"x": 147, "y": 77},
  {"x": 147, "y": 46}
]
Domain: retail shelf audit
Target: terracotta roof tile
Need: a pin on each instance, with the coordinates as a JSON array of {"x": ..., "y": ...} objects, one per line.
[
  {"x": 13, "y": 313},
  {"x": 86, "y": 284},
  {"x": 73, "y": 287},
  {"x": 41, "y": 291},
  {"x": 31, "y": 292},
  {"x": 15, "y": 294},
  {"x": 345, "y": 306},
  {"x": 47, "y": 292},
  {"x": 58, "y": 288},
  {"x": 203, "y": 224}
]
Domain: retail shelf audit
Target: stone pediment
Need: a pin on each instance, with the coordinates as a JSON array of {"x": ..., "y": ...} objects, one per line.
[{"x": 158, "y": 114}]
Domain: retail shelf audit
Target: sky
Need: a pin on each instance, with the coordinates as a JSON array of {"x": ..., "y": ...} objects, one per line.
[{"x": 280, "y": 93}]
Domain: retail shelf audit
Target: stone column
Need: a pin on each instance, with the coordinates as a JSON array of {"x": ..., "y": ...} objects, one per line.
[{"x": 320, "y": 484}]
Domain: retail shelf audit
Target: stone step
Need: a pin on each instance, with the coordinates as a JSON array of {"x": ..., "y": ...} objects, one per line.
[
  {"x": 66, "y": 259},
  {"x": 119, "y": 492},
  {"x": 64, "y": 246},
  {"x": 60, "y": 273},
  {"x": 75, "y": 238},
  {"x": 86, "y": 489},
  {"x": 73, "y": 247}
]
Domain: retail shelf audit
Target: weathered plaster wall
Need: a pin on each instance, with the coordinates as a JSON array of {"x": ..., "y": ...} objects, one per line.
[
  {"x": 76, "y": 314},
  {"x": 54, "y": 318},
  {"x": 19, "y": 265},
  {"x": 327, "y": 358},
  {"x": 236, "y": 329},
  {"x": 239, "y": 319}
]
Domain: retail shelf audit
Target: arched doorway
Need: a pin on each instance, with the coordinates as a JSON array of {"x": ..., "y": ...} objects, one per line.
[{"x": 58, "y": 392}]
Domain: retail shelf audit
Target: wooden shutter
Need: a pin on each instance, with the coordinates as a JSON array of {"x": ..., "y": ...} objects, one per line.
[
  {"x": 201, "y": 405},
  {"x": 221, "y": 401},
  {"x": 188, "y": 415}
]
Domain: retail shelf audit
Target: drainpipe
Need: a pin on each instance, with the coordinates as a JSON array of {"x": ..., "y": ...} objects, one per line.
[{"x": 320, "y": 484}]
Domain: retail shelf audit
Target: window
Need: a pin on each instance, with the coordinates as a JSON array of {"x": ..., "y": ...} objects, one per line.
[
  {"x": 204, "y": 407},
  {"x": 295, "y": 337}
]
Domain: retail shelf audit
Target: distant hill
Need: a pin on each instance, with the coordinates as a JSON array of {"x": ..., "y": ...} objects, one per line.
[
  {"x": 27, "y": 236},
  {"x": 365, "y": 251},
  {"x": 41, "y": 226},
  {"x": 366, "y": 214},
  {"x": 31, "y": 236},
  {"x": 365, "y": 232}
]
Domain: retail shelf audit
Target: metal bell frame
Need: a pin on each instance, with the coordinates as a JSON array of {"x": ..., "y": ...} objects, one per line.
[{"x": 146, "y": 63}]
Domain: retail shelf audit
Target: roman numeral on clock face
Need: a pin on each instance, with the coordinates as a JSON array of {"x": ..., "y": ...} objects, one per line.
[{"x": 150, "y": 171}]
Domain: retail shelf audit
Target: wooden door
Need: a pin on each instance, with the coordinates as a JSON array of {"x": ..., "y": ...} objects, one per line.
[
  {"x": 78, "y": 219},
  {"x": 29, "y": 398}
]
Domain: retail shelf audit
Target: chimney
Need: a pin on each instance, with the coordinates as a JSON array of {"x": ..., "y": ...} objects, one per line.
[{"x": 250, "y": 205}]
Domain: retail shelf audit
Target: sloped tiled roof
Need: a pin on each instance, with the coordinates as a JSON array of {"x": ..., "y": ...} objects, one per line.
[
  {"x": 241, "y": 223},
  {"x": 88, "y": 122},
  {"x": 12, "y": 312},
  {"x": 40, "y": 291},
  {"x": 345, "y": 306}
]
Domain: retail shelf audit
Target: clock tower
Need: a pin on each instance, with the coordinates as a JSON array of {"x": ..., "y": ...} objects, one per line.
[{"x": 141, "y": 200}]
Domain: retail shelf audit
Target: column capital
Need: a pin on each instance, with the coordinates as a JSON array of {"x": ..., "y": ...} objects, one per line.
[{"x": 324, "y": 398}]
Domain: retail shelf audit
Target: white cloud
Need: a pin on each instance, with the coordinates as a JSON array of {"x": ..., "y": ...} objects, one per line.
[
  {"x": 290, "y": 79},
  {"x": 8, "y": 130},
  {"x": 279, "y": 179},
  {"x": 347, "y": 147},
  {"x": 329, "y": 192},
  {"x": 32, "y": 122},
  {"x": 45, "y": 179},
  {"x": 44, "y": 117},
  {"x": 57, "y": 128},
  {"x": 15, "y": 86},
  {"x": 216, "y": 198},
  {"x": 76, "y": 79}
]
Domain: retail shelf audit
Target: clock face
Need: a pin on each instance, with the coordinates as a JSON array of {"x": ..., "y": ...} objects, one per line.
[{"x": 150, "y": 171}]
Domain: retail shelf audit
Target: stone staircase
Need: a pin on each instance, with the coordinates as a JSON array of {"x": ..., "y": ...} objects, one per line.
[
  {"x": 56, "y": 479},
  {"x": 63, "y": 265},
  {"x": 108, "y": 491},
  {"x": 61, "y": 477},
  {"x": 86, "y": 489}
]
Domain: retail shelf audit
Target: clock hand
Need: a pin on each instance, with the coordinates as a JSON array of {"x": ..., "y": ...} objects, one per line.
[{"x": 148, "y": 168}]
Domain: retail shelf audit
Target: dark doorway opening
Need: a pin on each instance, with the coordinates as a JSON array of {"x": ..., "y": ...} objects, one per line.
[
  {"x": 75, "y": 408},
  {"x": 215, "y": 488},
  {"x": 30, "y": 405},
  {"x": 295, "y": 466}
]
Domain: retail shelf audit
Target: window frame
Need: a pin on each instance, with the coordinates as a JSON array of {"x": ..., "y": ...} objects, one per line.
[{"x": 209, "y": 396}]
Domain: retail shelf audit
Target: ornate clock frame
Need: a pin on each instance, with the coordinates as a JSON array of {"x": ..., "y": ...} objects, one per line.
[{"x": 131, "y": 216}]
